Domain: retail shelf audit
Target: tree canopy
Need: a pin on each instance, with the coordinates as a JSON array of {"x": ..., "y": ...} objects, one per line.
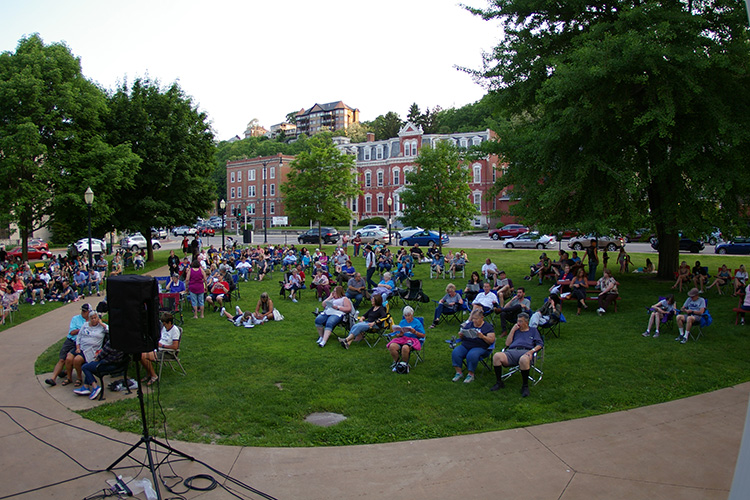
[
  {"x": 386, "y": 126},
  {"x": 320, "y": 183},
  {"x": 437, "y": 194},
  {"x": 53, "y": 144},
  {"x": 616, "y": 113},
  {"x": 176, "y": 146}
]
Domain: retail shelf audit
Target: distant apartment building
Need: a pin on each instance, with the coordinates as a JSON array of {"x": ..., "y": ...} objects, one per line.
[
  {"x": 288, "y": 129},
  {"x": 331, "y": 116},
  {"x": 253, "y": 188},
  {"x": 382, "y": 166},
  {"x": 254, "y": 130}
]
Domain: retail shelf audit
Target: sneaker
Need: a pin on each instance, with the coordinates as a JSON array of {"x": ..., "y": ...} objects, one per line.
[
  {"x": 95, "y": 392},
  {"x": 684, "y": 339},
  {"x": 393, "y": 368},
  {"x": 294, "y": 300},
  {"x": 33, "y": 303},
  {"x": 344, "y": 344},
  {"x": 237, "y": 310},
  {"x": 320, "y": 339},
  {"x": 469, "y": 379},
  {"x": 656, "y": 335},
  {"x": 223, "y": 310},
  {"x": 600, "y": 311},
  {"x": 678, "y": 338},
  {"x": 42, "y": 302},
  {"x": 457, "y": 377},
  {"x": 322, "y": 344},
  {"x": 498, "y": 385},
  {"x": 646, "y": 333},
  {"x": 82, "y": 391},
  {"x": 525, "y": 391}
]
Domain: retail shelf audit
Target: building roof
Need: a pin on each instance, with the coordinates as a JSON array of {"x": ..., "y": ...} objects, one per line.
[{"x": 329, "y": 106}]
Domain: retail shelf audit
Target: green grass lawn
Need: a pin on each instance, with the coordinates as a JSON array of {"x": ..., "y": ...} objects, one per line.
[{"x": 254, "y": 387}]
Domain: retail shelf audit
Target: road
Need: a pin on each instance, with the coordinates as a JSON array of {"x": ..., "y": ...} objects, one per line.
[{"x": 471, "y": 241}]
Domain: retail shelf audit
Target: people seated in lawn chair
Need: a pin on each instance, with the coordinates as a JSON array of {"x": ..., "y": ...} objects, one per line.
[
  {"x": 745, "y": 305},
  {"x": 176, "y": 286},
  {"x": 567, "y": 277},
  {"x": 406, "y": 338},
  {"x": 292, "y": 283},
  {"x": 740, "y": 279},
  {"x": 385, "y": 261},
  {"x": 80, "y": 279},
  {"x": 336, "y": 306},
  {"x": 659, "y": 311},
  {"x": 457, "y": 264},
  {"x": 219, "y": 288},
  {"x": 518, "y": 304},
  {"x": 486, "y": 299},
  {"x": 477, "y": 336},
  {"x": 721, "y": 279},
  {"x": 691, "y": 313},
  {"x": 473, "y": 287},
  {"x": 607, "y": 291},
  {"x": 263, "y": 266},
  {"x": 356, "y": 289},
  {"x": 503, "y": 288},
  {"x": 546, "y": 269},
  {"x": 451, "y": 302},
  {"x": 368, "y": 321},
  {"x": 700, "y": 276},
  {"x": 321, "y": 284},
  {"x": 683, "y": 275},
  {"x": 521, "y": 345},
  {"x": 345, "y": 273},
  {"x": 168, "y": 339},
  {"x": 404, "y": 267},
  {"x": 438, "y": 264},
  {"x": 385, "y": 287},
  {"x": 489, "y": 270},
  {"x": 548, "y": 314},
  {"x": 416, "y": 253}
]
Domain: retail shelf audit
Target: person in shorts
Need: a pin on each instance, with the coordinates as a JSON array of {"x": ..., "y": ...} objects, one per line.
[
  {"x": 169, "y": 339},
  {"x": 521, "y": 344},
  {"x": 68, "y": 348}
]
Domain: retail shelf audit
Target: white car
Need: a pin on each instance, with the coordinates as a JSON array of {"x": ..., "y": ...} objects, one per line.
[
  {"x": 97, "y": 245},
  {"x": 532, "y": 239},
  {"x": 408, "y": 231},
  {"x": 137, "y": 241}
]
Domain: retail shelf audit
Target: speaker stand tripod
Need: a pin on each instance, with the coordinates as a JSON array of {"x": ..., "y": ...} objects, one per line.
[{"x": 146, "y": 438}]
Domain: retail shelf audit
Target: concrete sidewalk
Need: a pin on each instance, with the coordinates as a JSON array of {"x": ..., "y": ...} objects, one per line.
[{"x": 684, "y": 449}]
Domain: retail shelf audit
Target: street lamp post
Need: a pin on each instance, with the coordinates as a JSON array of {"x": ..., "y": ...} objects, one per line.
[
  {"x": 222, "y": 207},
  {"x": 88, "y": 197},
  {"x": 390, "y": 203},
  {"x": 265, "y": 188}
]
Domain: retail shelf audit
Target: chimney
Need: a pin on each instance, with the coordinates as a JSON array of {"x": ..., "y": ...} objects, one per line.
[{"x": 370, "y": 137}]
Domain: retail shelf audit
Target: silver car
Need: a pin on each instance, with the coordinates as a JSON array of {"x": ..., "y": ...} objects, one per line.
[
  {"x": 531, "y": 239},
  {"x": 137, "y": 241},
  {"x": 609, "y": 243}
]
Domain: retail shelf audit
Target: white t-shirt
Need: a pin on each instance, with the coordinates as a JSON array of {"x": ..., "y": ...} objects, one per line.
[{"x": 169, "y": 336}]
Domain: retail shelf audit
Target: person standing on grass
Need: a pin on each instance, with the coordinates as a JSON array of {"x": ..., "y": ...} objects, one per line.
[
  {"x": 593, "y": 258},
  {"x": 521, "y": 345},
  {"x": 196, "y": 280},
  {"x": 370, "y": 264}
]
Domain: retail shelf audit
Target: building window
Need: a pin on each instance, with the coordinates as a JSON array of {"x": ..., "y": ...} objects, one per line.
[
  {"x": 354, "y": 204},
  {"x": 272, "y": 207},
  {"x": 232, "y": 192},
  {"x": 251, "y": 208},
  {"x": 478, "y": 200},
  {"x": 368, "y": 179},
  {"x": 464, "y": 142},
  {"x": 368, "y": 204},
  {"x": 476, "y": 141},
  {"x": 396, "y": 176},
  {"x": 239, "y": 176},
  {"x": 239, "y": 192},
  {"x": 367, "y": 154},
  {"x": 380, "y": 203},
  {"x": 380, "y": 178},
  {"x": 273, "y": 172},
  {"x": 477, "y": 174},
  {"x": 273, "y": 190},
  {"x": 379, "y": 153},
  {"x": 414, "y": 148},
  {"x": 251, "y": 191},
  {"x": 406, "y": 176},
  {"x": 251, "y": 174},
  {"x": 231, "y": 177}
]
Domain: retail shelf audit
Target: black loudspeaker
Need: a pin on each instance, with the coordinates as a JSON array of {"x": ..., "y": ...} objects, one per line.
[{"x": 133, "y": 313}]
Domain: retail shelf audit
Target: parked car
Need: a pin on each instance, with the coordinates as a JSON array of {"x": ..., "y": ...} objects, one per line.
[
  {"x": 739, "y": 245},
  {"x": 370, "y": 227},
  {"x": 714, "y": 237},
  {"x": 508, "y": 231},
  {"x": 642, "y": 234},
  {"x": 531, "y": 239},
  {"x": 408, "y": 231},
  {"x": 329, "y": 235},
  {"x": 160, "y": 233},
  {"x": 184, "y": 231},
  {"x": 97, "y": 246},
  {"x": 425, "y": 239},
  {"x": 609, "y": 243},
  {"x": 31, "y": 253},
  {"x": 566, "y": 234},
  {"x": 206, "y": 230},
  {"x": 38, "y": 243},
  {"x": 375, "y": 236},
  {"x": 686, "y": 244},
  {"x": 137, "y": 241}
]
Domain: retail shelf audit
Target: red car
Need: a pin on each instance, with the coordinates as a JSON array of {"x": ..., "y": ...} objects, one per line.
[
  {"x": 33, "y": 253},
  {"x": 508, "y": 231},
  {"x": 206, "y": 231},
  {"x": 38, "y": 243}
]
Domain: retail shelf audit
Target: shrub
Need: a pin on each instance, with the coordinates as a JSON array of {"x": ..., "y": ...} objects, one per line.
[{"x": 373, "y": 220}]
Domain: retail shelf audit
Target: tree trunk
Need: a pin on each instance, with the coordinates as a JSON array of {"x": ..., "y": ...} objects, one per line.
[
  {"x": 149, "y": 249},
  {"x": 669, "y": 251}
]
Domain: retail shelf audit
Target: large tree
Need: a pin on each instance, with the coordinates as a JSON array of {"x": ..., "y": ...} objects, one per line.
[
  {"x": 53, "y": 143},
  {"x": 320, "y": 184},
  {"x": 386, "y": 126},
  {"x": 437, "y": 193},
  {"x": 619, "y": 112},
  {"x": 176, "y": 146}
]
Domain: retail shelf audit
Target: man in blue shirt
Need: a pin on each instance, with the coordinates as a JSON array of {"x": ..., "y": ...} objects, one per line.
[
  {"x": 690, "y": 313},
  {"x": 521, "y": 345},
  {"x": 68, "y": 347}
]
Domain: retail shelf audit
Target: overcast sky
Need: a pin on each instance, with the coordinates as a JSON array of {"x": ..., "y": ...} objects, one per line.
[{"x": 241, "y": 60}]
